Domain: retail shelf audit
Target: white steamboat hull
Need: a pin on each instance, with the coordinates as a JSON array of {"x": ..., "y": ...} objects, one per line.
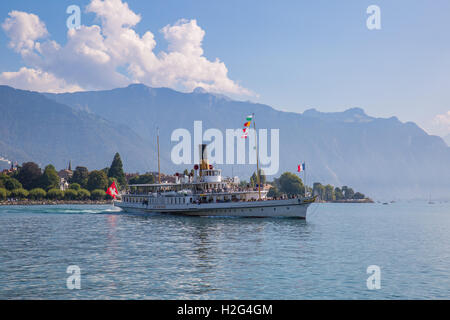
[{"x": 294, "y": 208}]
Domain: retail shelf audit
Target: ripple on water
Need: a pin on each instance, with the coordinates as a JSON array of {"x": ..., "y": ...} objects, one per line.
[{"x": 168, "y": 257}]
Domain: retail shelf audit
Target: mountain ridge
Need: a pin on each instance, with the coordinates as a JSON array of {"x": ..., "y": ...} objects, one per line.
[
  {"x": 36, "y": 128},
  {"x": 382, "y": 157}
]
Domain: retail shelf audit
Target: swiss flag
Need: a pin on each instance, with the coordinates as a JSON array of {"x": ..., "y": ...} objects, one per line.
[{"x": 112, "y": 190}]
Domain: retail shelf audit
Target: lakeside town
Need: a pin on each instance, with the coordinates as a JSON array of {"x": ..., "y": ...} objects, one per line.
[{"x": 28, "y": 184}]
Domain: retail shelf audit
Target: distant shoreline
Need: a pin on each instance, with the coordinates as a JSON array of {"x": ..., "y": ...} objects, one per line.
[
  {"x": 366, "y": 200},
  {"x": 53, "y": 202}
]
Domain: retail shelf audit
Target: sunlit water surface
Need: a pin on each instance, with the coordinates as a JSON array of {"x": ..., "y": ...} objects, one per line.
[{"x": 172, "y": 257}]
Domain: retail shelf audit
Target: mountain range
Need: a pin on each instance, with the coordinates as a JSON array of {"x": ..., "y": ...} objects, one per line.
[{"x": 381, "y": 157}]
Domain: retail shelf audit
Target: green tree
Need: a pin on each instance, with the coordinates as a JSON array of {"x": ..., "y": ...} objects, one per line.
[
  {"x": 50, "y": 178},
  {"x": 3, "y": 194},
  {"x": 97, "y": 180},
  {"x": 290, "y": 184},
  {"x": 19, "y": 193},
  {"x": 186, "y": 172},
  {"x": 83, "y": 194},
  {"x": 70, "y": 194},
  {"x": 55, "y": 194},
  {"x": 254, "y": 178},
  {"x": 319, "y": 190},
  {"x": 80, "y": 176},
  {"x": 116, "y": 170},
  {"x": 339, "y": 195},
  {"x": 274, "y": 192},
  {"x": 143, "y": 179},
  {"x": 98, "y": 194},
  {"x": 329, "y": 193},
  {"x": 37, "y": 194},
  {"x": 29, "y": 175},
  {"x": 75, "y": 186},
  {"x": 348, "y": 192},
  {"x": 10, "y": 183},
  {"x": 359, "y": 195}
]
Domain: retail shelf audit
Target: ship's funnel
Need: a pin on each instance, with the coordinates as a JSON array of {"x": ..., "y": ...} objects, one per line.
[{"x": 204, "y": 165}]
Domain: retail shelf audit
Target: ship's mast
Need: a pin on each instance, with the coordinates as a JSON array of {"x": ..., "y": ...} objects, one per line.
[
  {"x": 258, "y": 179},
  {"x": 157, "y": 142}
]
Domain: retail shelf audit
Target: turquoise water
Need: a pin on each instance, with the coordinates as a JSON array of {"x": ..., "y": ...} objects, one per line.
[{"x": 167, "y": 257}]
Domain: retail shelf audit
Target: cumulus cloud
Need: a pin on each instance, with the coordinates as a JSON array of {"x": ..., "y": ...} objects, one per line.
[
  {"x": 36, "y": 80},
  {"x": 23, "y": 29},
  {"x": 443, "y": 119},
  {"x": 112, "y": 54},
  {"x": 440, "y": 124}
]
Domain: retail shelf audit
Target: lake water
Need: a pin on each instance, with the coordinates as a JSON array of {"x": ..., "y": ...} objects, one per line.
[{"x": 171, "y": 257}]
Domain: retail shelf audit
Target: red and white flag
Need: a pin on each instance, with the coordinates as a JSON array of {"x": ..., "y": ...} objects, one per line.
[{"x": 112, "y": 190}]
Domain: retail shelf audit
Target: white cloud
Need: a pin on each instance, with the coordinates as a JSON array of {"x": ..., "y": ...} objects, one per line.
[
  {"x": 93, "y": 55},
  {"x": 24, "y": 29},
  {"x": 440, "y": 124},
  {"x": 36, "y": 80},
  {"x": 443, "y": 119}
]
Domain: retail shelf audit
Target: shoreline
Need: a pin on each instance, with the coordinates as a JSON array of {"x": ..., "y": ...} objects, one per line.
[
  {"x": 366, "y": 200},
  {"x": 53, "y": 202}
]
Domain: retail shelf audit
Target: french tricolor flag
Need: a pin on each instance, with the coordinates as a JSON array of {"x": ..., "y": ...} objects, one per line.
[{"x": 301, "y": 167}]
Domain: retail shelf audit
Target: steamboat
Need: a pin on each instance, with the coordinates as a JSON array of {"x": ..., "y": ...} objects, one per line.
[{"x": 207, "y": 193}]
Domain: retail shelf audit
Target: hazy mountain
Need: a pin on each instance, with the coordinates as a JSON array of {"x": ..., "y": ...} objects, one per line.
[
  {"x": 380, "y": 157},
  {"x": 35, "y": 128}
]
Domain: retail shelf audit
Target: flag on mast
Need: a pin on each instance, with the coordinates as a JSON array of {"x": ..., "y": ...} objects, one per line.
[
  {"x": 247, "y": 126},
  {"x": 112, "y": 190},
  {"x": 301, "y": 167}
]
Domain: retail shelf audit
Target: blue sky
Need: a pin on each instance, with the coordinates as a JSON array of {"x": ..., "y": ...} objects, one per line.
[{"x": 296, "y": 55}]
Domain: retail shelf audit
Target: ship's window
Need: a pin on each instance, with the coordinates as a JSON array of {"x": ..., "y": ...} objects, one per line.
[
  {"x": 287, "y": 208},
  {"x": 274, "y": 209},
  {"x": 184, "y": 200}
]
